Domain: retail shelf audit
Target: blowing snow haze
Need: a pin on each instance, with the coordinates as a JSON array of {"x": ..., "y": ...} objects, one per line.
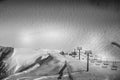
[{"x": 63, "y": 25}]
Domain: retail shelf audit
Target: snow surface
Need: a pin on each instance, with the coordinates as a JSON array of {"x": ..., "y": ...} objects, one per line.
[{"x": 50, "y": 70}]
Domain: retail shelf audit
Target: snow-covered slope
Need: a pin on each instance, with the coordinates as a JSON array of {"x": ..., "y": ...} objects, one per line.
[
  {"x": 48, "y": 67},
  {"x": 5, "y": 54},
  {"x": 33, "y": 64}
]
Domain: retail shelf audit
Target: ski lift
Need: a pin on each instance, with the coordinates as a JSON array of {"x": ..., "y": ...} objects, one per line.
[
  {"x": 90, "y": 55},
  {"x": 114, "y": 66},
  {"x": 92, "y": 61},
  {"x": 104, "y": 66},
  {"x": 98, "y": 62},
  {"x": 106, "y": 63}
]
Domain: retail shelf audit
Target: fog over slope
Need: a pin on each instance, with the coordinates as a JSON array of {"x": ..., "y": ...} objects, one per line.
[{"x": 92, "y": 25}]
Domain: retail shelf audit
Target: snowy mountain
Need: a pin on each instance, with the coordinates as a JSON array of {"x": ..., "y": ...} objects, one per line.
[
  {"x": 43, "y": 64},
  {"x": 22, "y": 62}
]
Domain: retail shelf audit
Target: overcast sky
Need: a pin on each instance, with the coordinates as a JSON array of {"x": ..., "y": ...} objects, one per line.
[{"x": 60, "y": 25}]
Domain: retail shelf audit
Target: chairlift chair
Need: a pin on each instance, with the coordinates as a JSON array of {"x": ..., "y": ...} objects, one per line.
[
  {"x": 104, "y": 66},
  {"x": 98, "y": 62},
  {"x": 92, "y": 61},
  {"x": 114, "y": 66},
  {"x": 106, "y": 63}
]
